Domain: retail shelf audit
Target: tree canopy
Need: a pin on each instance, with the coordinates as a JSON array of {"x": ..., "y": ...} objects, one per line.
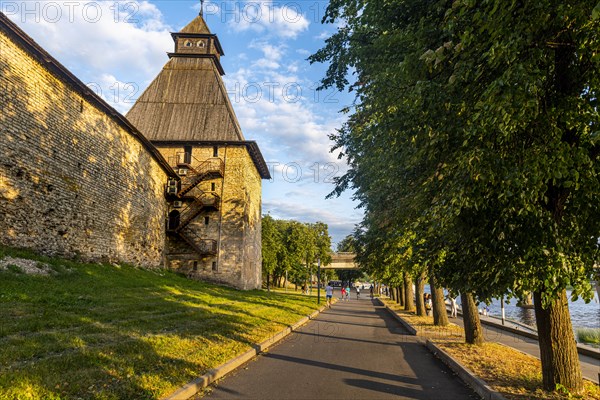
[
  {"x": 473, "y": 145},
  {"x": 294, "y": 248}
]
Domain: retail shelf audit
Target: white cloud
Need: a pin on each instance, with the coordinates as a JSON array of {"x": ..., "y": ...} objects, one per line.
[
  {"x": 311, "y": 211},
  {"x": 124, "y": 49},
  {"x": 282, "y": 110},
  {"x": 129, "y": 39},
  {"x": 268, "y": 17},
  {"x": 323, "y": 35}
]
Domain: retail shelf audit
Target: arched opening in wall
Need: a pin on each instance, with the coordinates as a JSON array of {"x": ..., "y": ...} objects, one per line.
[{"x": 174, "y": 218}]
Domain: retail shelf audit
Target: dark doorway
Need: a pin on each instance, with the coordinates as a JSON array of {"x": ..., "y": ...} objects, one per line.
[
  {"x": 173, "y": 220},
  {"x": 187, "y": 155}
]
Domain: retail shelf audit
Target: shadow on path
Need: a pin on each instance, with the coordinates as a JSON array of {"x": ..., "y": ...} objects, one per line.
[{"x": 345, "y": 354}]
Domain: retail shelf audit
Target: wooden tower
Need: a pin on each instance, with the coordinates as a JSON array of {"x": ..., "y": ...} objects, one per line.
[{"x": 214, "y": 222}]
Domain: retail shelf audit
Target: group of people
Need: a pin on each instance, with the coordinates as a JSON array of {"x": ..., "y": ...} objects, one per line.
[
  {"x": 345, "y": 293},
  {"x": 305, "y": 289},
  {"x": 329, "y": 294},
  {"x": 429, "y": 304},
  {"x": 383, "y": 290}
]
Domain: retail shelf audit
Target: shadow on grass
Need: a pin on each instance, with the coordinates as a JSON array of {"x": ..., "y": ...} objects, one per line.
[{"x": 100, "y": 331}]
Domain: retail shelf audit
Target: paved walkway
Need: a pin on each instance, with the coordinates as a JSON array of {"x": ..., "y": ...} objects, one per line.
[
  {"x": 590, "y": 367},
  {"x": 355, "y": 350}
]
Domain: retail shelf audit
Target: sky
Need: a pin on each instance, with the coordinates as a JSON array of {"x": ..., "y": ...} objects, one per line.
[{"x": 118, "y": 47}]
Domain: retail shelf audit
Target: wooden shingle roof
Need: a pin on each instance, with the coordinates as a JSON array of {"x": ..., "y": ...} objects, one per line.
[{"x": 198, "y": 25}]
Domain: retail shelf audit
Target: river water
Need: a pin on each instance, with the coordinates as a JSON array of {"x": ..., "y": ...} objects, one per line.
[{"x": 582, "y": 315}]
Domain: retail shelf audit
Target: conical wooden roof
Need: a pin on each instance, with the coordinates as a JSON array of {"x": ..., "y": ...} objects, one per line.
[
  {"x": 198, "y": 25},
  {"x": 187, "y": 101}
]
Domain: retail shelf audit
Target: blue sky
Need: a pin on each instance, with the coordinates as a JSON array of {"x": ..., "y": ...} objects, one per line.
[{"x": 118, "y": 47}]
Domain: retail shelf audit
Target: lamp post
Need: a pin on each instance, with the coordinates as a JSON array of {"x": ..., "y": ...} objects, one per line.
[{"x": 319, "y": 280}]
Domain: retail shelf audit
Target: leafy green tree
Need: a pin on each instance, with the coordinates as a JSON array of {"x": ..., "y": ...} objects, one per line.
[
  {"x": 476, "y": 128},
  {"x": 346, "y": 245},
  {"x": 291, "y": 249},
  {"x": 271, "y": 247}
]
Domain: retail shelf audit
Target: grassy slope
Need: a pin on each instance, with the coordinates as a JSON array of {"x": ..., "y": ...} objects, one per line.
[{"x": 101, "y": 331}]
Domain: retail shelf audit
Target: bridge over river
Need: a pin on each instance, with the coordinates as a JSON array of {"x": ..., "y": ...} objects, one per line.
[{"x": 342, "y": 261}]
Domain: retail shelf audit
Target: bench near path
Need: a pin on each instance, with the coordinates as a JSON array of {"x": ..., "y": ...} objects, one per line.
[{"x": 355, "y": 350}]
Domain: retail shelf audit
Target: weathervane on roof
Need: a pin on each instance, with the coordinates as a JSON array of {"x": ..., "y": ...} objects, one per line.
[{"x": 202, "y": 7}]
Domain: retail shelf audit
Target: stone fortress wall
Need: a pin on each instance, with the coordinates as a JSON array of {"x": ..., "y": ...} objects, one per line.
[{"x": 75, "y": 180}]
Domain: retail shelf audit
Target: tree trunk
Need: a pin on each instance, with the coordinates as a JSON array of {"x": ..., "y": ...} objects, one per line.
[
  {"x": 440, "y": 316},
  {"x": 401, "y": 290},
  {"x": 400, "y": 295},
  {"x": 473, "y": 331},
  {"x": 420, "y": 290},
  {"x": 409, "y": 302},
  {"x": 392, "y": 290},
  {"x": 558, "y": 349},
  {"x": 268, "y": 286}
]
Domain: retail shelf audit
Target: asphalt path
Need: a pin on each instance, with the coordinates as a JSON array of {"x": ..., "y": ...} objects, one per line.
[{"x": 355, "y": 350}]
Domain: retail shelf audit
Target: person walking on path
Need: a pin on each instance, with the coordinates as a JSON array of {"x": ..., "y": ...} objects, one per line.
[
  {"x": 348, "y": 292},
  {"x": 428, "y": 304},
  {"x": 328, "y": 295},
  {"x": 371, "y": 291},
  {"x": 343, "y": 291},
  {"x": 357, "y": 292},
  {"x": 453, "y": 306}
]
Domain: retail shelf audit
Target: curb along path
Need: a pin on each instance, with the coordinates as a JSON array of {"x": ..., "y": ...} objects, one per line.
[
  {"x": 476, "y": 383},
  {"x": 511, "y": 338},
  {"x": 524, "y": 331},
  {"x": 195, "y": 386},
  {"x": 527, "y": 343}
]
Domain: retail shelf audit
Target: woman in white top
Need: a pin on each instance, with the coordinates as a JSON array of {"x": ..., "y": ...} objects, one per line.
[{"x": 328, "y": 294}]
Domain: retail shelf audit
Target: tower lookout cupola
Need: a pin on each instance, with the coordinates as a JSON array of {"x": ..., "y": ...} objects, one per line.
[{"x": 196, "y": 41}]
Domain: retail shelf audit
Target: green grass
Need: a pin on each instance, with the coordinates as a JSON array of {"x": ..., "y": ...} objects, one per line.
[
  {"x": 107, "y": 332},
  {"x": 588, "y": 335}
]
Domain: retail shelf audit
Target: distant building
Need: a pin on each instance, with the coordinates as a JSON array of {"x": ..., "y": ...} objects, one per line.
[
  {"x": 175, "y": 183},
  {"x": 214, "y": 220}
]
